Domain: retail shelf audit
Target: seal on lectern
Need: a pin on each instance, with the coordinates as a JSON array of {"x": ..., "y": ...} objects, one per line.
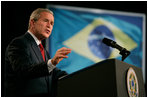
[{"x": 132, "y": 83}]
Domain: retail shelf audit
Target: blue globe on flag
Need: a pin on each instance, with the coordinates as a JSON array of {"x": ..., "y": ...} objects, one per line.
[{"x": 95, "y": 44}]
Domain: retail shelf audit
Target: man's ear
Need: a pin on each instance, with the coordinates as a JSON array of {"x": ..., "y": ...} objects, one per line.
[{"x": 32, "y": 22}]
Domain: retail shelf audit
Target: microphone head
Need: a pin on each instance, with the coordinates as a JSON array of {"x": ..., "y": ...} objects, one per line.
[{"x": 108, "y": 42}]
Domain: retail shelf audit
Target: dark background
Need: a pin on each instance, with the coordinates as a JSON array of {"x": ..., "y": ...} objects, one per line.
[{"x": 15, "y": 17}]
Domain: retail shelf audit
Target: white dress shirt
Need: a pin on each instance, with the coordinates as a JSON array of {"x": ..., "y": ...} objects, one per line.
[{"x": 49, "y": 64}]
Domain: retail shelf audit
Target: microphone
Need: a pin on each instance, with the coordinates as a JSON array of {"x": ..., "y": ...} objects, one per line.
[{"x": 113, "y": 44}]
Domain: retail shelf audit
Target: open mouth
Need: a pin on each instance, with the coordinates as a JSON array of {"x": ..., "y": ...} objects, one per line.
[{"x": 48, "y": 31}]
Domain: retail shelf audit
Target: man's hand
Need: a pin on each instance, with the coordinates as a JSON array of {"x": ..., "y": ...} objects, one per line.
[{"x": 60, "y": 54}]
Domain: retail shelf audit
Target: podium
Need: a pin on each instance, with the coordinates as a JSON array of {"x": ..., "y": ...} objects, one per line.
[{"x": 104, "y": 79}]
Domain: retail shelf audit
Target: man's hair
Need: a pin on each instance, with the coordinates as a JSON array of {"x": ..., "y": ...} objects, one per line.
[{"x": 36, "y": 14}]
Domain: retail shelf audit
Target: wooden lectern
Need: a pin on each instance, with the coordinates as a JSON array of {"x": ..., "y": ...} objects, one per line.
[{"x": 107, "y": 79}]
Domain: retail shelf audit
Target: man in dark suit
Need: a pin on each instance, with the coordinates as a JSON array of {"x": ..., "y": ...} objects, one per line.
[{"x": 29, "y": 69}]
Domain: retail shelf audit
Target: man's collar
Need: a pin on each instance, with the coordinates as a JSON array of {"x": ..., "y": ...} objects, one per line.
[{"x": 34, "y": 37}]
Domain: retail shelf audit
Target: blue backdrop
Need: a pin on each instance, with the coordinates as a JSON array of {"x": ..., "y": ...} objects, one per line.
[{"x": 82, "y": 30}]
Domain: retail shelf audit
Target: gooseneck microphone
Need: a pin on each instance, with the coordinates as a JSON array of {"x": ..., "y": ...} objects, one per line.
[
  {"x": 124, "y": 52},
  {"x": 112, "y": 43}
]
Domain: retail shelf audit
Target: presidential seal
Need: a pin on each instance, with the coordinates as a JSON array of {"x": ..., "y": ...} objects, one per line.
[{"x": 132, "y": 83}]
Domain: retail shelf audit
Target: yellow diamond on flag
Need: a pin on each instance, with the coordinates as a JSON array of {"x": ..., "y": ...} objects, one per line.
[{"x": 79, "y": 42}]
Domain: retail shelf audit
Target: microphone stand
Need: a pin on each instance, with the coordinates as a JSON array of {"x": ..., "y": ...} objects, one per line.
[{"x": 124, "y": 53}]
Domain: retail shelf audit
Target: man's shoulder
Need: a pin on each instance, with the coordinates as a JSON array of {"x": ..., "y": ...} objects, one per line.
[{"x": 21, "y": 40}]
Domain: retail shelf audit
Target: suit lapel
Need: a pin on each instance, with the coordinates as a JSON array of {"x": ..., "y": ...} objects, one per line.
[
  {"x": 35, "y": 47},
  {"x": 37, "y": 52},
  {"x": 46, "y": 55}
]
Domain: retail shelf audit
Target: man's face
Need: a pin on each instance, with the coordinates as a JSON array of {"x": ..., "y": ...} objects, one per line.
[{"x": 42, "y": 28}]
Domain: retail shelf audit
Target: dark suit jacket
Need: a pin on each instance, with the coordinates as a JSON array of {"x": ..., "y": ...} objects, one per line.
[{"x": 26, "y": 72}]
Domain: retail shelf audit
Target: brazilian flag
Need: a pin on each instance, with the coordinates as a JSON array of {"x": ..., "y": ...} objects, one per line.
[{"x": 82, "y": 30}]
